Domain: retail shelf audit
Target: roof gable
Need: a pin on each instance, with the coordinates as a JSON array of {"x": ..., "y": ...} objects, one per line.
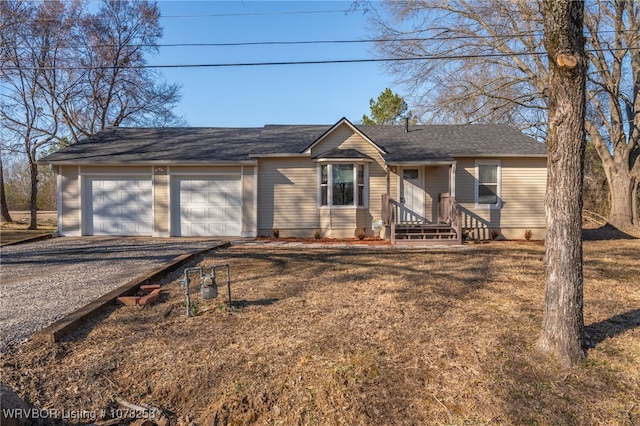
[{"x": 333, "y": 128}]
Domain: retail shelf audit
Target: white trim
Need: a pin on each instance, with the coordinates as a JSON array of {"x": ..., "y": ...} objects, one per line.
[
  {"x": 365, "y": 192},
  {"x": 495, "y": 162}
]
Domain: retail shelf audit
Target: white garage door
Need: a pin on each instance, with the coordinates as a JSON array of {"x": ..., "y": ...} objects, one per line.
[
  {"x": 118, "y": 206},
  {"x": 206, "y": 207}
]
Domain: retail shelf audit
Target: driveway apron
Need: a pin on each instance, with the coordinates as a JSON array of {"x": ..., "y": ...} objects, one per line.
[{"x": 42, "y": 282}]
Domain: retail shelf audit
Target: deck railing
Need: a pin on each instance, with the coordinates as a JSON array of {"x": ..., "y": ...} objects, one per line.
[
  {"x": 449, "y": 212},
  {"x": 389, "y": 216}
]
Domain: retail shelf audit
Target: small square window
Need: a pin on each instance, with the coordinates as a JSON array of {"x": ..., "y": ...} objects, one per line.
[{"x": 410, "y": 174}]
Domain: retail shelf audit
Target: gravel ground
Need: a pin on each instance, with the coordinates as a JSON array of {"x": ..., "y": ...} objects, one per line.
[{"x": 44, "y": 281}]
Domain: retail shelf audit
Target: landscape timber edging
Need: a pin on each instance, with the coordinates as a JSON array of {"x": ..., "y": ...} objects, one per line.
[{"x": 73, "y": 321}]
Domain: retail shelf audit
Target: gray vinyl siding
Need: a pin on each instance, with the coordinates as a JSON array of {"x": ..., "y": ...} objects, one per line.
[
  {"x": 343, "y": 137},
  {"x": 523, "y": 186},
  {"x": 248, "y": 202},
  {"x": 287, "y": 196},
  {"x": 70, "y": 206},
  {"x": 161, "y": 208}
]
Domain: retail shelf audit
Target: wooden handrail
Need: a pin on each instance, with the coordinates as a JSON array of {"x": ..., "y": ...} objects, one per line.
[
  {"x": 449, "y": 212},
  {"x": 389, "y": 216}
]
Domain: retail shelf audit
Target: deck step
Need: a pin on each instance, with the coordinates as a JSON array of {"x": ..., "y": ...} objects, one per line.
[
  {"x": 423, "y": 233},
  {"x": 426, "y": 242},
  {"x": 443, "y": 236}
]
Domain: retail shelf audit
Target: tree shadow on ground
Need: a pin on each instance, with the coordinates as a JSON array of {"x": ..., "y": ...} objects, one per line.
[
  {"x": 597, "y": 332},
  {"x": 606, "y": 232},
  {"x": 260, "y": 302}
]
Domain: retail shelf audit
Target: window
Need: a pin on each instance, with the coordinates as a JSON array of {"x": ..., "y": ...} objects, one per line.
[
  {"x": 488, "y": 184},
  {"x": 342, "y": 184},
  {"x": 410, "y": 174}
]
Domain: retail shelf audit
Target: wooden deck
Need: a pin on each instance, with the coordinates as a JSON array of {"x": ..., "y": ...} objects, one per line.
[{"x": 447, "y": 230}]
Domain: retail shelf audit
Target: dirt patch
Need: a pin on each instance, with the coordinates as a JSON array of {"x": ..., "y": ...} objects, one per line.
[{"x": 337, "y": 336}]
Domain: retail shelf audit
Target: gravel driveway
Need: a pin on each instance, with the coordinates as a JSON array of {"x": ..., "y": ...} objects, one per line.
[{"x": 44, "y": 281}]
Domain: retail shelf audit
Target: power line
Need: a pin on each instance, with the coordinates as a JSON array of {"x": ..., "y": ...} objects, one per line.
[
  {"x": 312, "y": 42},
  {"x": 286, "y": 63},
  {"x": 222, "y": 15}
]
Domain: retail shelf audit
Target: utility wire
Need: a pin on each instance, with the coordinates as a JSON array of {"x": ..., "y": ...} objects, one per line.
[
  {"x": 283, "y": 63},
  {"x": 311, "y": 42},
  {"x": 221, "y": 15}
]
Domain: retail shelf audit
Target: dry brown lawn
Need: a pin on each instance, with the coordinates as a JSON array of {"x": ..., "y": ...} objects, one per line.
[
  {"x": 17, "y": 230},
  {"x": 359, "y": 337}
]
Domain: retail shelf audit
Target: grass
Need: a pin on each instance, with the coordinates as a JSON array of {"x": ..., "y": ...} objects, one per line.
[
  {"x": 359, "y": 337},
  {"x": 17, "y": 230}
]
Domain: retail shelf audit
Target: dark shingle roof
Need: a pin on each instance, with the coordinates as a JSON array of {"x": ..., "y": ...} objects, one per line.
[{"x": 208, "y": 145}]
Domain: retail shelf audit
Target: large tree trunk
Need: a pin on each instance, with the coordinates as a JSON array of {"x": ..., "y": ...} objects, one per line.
[
  {"x": 563, "y": 323},
  {"x": 621, "y": 210},
  {"x": 33, "y": 202},
  {"x": 6, "y": 217},
  {"x": 635, "y": 202}
]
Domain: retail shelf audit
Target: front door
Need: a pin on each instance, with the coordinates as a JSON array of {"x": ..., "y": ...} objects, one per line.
[{"x": 412, "y": 199}]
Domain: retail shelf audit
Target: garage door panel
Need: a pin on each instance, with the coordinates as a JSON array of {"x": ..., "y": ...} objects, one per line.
[
  {"x": 207, "y": 206},
  {"x": 118, "y": 206}
]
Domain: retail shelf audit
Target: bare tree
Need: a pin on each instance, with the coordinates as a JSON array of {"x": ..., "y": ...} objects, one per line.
[
  {"x": 68, "y": 73},
  {"x": 484, "y": 62},
  {"x": 116, "y": 89},
  {"x": 4, "y": 209},
  {"x": 563, "y": 324},
  {"x": 8, "y": 20},
  {"x": 31, "y": 46}
]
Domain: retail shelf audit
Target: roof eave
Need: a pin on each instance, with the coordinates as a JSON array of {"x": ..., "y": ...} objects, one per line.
[
  {"x": 150, "y": 163},
  {"x": 420, "y": 163},
  {"x": 499, "y": 155},
  {"x": 279, "y": 155}
]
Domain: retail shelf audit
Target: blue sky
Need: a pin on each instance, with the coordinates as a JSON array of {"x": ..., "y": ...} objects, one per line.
[{"x": 254, "y": 96}]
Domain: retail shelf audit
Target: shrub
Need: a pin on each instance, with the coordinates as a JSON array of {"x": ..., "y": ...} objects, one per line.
[
  {"x": 362, "y": 234},
  {"x": 276, "y": 232},
  {"x": 318, "y": 234},
  {"x": 528, "y": 234}
]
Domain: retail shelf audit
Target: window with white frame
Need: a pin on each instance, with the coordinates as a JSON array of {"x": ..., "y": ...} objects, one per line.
[
  {"x": 342, "y": 184},
  {"x": 488, "y": 177}
]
